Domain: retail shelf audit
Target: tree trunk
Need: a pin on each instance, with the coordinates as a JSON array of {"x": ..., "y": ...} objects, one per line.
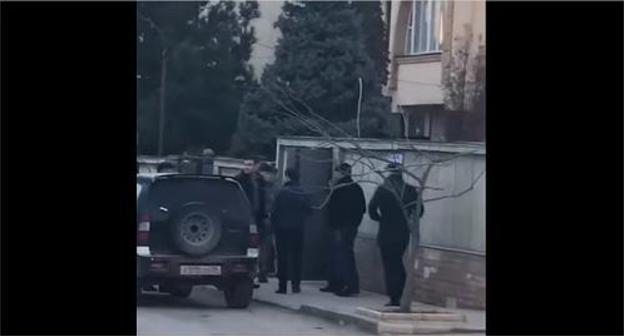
[
  {"x": 161, "y": 117},
  {"x": 408, "y": 290}
]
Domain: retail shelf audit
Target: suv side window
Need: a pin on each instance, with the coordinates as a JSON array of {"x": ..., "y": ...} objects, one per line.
[{"x": 142, "y": 191}]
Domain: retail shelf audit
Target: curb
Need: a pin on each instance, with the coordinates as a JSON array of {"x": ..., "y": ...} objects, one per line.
[
  {"x": 365, "y": 323},
  {"x": 274, "y": 304},
  {"x": 414, "y": 316},
  {"x": 369, "y": 324}
]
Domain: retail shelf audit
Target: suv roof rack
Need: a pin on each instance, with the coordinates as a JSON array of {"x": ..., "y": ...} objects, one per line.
[{"x": 184, "y": 175}]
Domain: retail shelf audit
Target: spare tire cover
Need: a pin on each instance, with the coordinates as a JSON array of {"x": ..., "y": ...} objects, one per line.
[{"x": 196, "y": 230}]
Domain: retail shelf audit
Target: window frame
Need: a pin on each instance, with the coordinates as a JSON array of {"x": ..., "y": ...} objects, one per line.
[
  {"x": 407, "y": 124},
  {"x": 435, "y": 9}
]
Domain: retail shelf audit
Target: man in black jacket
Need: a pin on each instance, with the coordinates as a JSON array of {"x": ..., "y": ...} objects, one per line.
[
  {"x": 346, "y": 207},
  {"x": 391, "y": 205},
  {"x": 266, "y": 255},
  {"x": 253, "y": 185},
  {"x": 290, "y": 209}
]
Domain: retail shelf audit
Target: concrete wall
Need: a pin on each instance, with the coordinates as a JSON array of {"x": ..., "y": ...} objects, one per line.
[
  {"x": 220, "y": 165},
  {"x": 149, "y": 164},
  {"x": 369, "y": 264},
  {"x": 227, "y": 166},
  {"x": 454, "y": 222},
  {"x": 148, "y": 168}
]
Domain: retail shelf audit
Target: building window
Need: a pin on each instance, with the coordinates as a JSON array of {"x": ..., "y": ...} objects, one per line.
[
  {"x": 417, "y": 124},
  {"x": 425, "y": 27}
]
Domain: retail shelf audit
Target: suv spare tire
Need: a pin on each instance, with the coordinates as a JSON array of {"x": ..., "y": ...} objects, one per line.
[{"x": 196, "y": 230}]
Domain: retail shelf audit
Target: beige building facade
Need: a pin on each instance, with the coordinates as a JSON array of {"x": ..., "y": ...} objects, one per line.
[{"x": 431, "y": 45}]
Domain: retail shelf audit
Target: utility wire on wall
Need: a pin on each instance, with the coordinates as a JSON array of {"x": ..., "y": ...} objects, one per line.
[{"x": 359, "y": 106}]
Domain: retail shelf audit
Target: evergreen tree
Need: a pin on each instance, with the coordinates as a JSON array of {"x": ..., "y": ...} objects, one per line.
[
  {"x": 318, "y": 60},
  {"x": 376, "y": 33},
  {"x": 194, "y": 55}
]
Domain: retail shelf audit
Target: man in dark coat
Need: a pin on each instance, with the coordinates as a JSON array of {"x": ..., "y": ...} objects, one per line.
[
  {"x": 346, "y": 207},
  {"x": 266, "y": 255},
  {"x": 290, "y": 209},
  {"x": 387, "y": 207},
  {"x": 253, "y": 185}
]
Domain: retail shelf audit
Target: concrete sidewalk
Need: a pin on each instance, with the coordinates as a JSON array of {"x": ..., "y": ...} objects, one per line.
[{"x": 343, "y": 309}]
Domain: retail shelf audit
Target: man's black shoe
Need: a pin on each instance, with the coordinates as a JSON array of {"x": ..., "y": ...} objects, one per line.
[
  {"x": 346, "y": 292},
  {"x": 256, "y": 286},
  {"x": 296, "y": 289},
  {"x": 281, "y": 291},
  {"x": 263, "y": 280}
]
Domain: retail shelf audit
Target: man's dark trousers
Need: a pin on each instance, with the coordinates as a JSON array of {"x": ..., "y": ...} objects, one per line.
[
  {"x": 289, "y": 244},
  {"x": 333, "y": 282},
  {"x": 346, "y": 268},
  {"x": 265, "y": 255},
  {"x": 394, "y": 270}
]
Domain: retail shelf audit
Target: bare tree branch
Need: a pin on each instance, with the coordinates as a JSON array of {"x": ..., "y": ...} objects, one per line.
[
  {"x": 471, "y": 187},
  {"x": 316, "y": 127},
  {"x": 315, "y": 122}
]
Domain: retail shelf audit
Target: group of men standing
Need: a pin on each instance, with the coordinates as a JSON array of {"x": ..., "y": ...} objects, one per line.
[{"x": 280, "y": 215}]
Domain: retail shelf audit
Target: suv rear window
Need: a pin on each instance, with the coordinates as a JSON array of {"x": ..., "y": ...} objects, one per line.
[{"x": 224, "y": 196}]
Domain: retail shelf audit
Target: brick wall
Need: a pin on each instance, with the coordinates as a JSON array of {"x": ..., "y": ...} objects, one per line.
[
  {"x": 447, "y": 278},
  {"x": 443, "y": 278}
]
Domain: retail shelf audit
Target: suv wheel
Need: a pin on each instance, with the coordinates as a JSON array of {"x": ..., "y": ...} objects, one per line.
[
  {"x": 238, "y": 292},
  {"x": 196, "y": 231}
]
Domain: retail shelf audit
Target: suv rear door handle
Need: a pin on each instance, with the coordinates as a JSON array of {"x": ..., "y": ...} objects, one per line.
[
  {"x": 163, "y": 209},
  {"x": 235, "y": 230}
]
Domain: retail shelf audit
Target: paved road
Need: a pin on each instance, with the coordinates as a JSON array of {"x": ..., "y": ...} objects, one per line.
[{"x": 204, "y": 313}]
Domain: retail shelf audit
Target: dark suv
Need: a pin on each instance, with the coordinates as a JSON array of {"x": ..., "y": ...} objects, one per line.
[{"x": 195, "y": 230}]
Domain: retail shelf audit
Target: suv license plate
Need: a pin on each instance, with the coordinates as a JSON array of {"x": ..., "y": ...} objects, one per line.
[{"x": 200, "y": 270}]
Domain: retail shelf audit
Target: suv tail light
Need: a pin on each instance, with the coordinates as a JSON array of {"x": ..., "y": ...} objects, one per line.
[
  {"x": 143, "y": 229},
  {"x": 254, "y": 237},
  {"x": 254, "y": 241}
]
